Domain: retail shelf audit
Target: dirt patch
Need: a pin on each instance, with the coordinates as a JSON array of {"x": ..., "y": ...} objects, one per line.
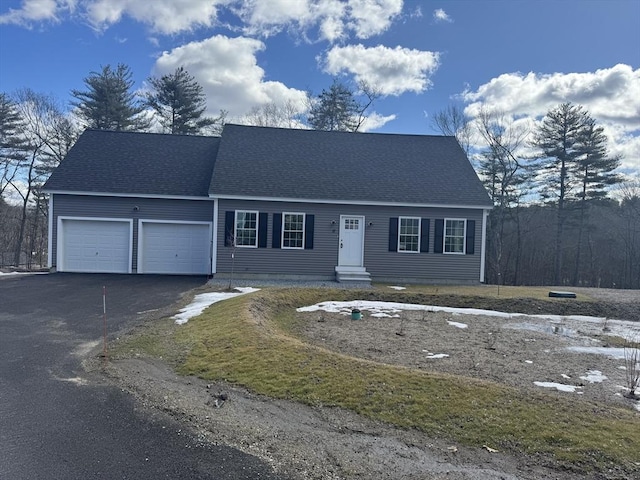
[
  {"x": 303, "y": 442},
  {"x": 515, "y": 351}
]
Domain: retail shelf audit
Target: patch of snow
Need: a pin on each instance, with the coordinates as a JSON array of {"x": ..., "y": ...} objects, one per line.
[
  {"x": 622, "y": 367},
  {"x": 561, "y": 387},
  {"x": 397, "y": 288},
  {"x": 587, "y": 325},
  {"x": 457, "y": 324},
  {"x": 565, "y": 376},
  {"x": 9, "y": 274},
  {"x": 437, "y": 355},
  {"x": 610, "y": 352},
  {"x": 203, "y": 300},
  {"x": 528, "y": 361},
  {"x": 594, "y": 376}
]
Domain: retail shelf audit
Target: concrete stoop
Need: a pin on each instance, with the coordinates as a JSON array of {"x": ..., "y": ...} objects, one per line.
[{"x": 353, "y": 275}]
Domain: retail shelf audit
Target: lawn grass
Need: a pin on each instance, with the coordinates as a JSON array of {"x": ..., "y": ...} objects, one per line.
[{"x": 250, "y": 341}]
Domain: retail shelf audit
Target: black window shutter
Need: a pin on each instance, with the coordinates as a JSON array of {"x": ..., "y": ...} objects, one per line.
[
  {"x": 471, "y": 237},
  {"x": 277, "y": 230},
  {"x": 262, "y": 229},
  {"x": 438, "y": 236},
  {"x": 309, "y": 221},
  {"x": 424, "y": 235},
  {"x": 229, "y": 220},
  {"x": 393, "y": 234}
]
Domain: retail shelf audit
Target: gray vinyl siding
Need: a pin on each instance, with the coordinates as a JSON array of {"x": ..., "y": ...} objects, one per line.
[
  {"x": 87, "y": 206},
  {"x": 320, "y": 262}
]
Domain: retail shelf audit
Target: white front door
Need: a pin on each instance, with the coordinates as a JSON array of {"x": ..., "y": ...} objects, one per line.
[{"x": 351, "y": 246}]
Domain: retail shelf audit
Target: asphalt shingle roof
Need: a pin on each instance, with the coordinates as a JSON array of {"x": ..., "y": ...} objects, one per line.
[
  {"x": 137, "y": 163},
  {"x": 362, "y": 167}
]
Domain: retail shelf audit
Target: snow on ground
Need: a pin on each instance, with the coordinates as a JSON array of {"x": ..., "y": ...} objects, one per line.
[
  {"x": 594, "y": 376},
  {"x": 397, "y": 288},
  {"x": 437, "y": 355},
  {"x": 561, "y": 387},
  {"x": 457, "y": 324},
  {"x": 203, "y": 300},
  {"x": 607, "y": 351},
  {"x": 9, "y": 274},
  {"x": 588, "y": 325}
]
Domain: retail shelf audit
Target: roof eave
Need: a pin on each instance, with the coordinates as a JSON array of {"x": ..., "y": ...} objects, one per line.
[
  {"x": 348, "y": 202},
  {"x": 127, "y": 195}
]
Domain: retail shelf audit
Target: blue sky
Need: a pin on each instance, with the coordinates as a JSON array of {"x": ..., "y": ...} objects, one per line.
[{"x": 522, "y": 57}]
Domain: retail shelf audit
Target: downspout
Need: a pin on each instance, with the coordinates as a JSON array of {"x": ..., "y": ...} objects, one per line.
[
  {"x": 214, "y": 238},
  {"x": 50, "y": 235},
  {"x": 483, "y": 248}
]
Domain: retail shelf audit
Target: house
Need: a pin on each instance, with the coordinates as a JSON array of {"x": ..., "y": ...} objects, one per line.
[{"x": 270, "y": 203}]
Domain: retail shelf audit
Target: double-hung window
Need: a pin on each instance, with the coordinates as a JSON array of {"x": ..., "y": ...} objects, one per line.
[
  {"x": 454, "y": 235},
  {"x": 293, "y": 230},
  {"x": 409, "y": 234},
  {"x": 246, "y": 231}
]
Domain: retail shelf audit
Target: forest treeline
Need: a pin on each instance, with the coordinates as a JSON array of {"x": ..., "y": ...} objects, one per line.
[{"x": 563, "y": 215}]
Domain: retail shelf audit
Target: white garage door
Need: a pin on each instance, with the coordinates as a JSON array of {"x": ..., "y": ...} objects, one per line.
[
  {"x": 96, "y": 246},
  {"x": 175, "y": 248}
]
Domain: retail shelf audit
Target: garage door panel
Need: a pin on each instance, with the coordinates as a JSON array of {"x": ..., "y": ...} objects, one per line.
[
  {"x": 96, "y": 246},
  {"x": 175, "y": 248}
]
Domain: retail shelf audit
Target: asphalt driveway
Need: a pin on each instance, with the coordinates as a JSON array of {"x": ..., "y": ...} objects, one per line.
[{"x": 56, "y": 422}]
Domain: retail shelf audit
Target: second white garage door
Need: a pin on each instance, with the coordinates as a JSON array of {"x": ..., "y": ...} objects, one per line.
[{"x": 174, "y": 248}]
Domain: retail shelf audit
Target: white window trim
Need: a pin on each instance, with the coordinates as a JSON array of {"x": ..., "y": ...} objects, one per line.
[
  {"x": 235, "y": 228},
  {"x": 464, "y": 236},
  {"x": 304, "y": 219},
  {"x": 419, "y": 230}
]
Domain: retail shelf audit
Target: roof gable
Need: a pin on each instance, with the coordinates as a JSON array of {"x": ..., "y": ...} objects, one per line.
[
  {"x": 137, "y": 163},
  {"x": 263, "y": 162}
]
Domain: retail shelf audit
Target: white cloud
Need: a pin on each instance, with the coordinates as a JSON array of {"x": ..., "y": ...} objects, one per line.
[
  {"x": 375, "y": 121},
  {"x": 439, "y": 15},
  {"x": 163, "y": 16},
  {"x": 372, "y": 17},
  {"x": 611, "y": 95},
  {"x": 32, "y": 11},
  {"x": 228, "y": 71},
  {"x": 393, "y": 71},
  {"x": 333, "y": 18},
  {"x": 330, "y": 20}
]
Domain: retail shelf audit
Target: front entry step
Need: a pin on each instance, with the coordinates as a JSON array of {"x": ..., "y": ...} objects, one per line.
[{"x": 353, "y": 275}]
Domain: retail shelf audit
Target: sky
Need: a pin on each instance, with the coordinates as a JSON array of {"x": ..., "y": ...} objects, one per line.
[{"x": 521, "y": 57}]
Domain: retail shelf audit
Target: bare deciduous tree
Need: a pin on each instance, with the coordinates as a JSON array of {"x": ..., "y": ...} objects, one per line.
[
  {"x": 504, "y": 173},
  {"x": 48, "y": 136},
  {"x": 452, "y": 121},
  {"x": 285, "y": 115},
  {"x": 632, "y": 366}
]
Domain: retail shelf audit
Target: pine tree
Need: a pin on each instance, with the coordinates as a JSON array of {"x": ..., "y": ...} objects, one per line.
[
  {"x": 180, "y": 103},
  {"x": 337, "y": 109},
  {"x": 573, "y": 164},
  {"x": 12, "y": 143},
  {"x": 109, "y": 103},
  {"x": 596, "y": 172}
]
